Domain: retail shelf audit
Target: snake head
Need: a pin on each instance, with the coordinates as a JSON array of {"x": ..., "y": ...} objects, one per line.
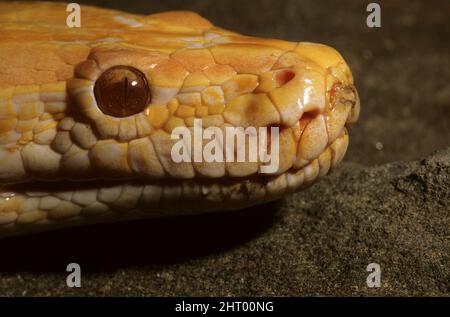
[{"x": 89, "y": 130}]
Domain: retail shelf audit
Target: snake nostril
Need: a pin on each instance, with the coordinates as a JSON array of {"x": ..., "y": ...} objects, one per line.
[
  {"x": 283, "y": 77},
  {"x": 122, "y": 91}
]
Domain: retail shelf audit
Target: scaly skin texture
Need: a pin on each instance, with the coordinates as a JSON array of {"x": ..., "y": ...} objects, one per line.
[{"x": 64, "y": 162}]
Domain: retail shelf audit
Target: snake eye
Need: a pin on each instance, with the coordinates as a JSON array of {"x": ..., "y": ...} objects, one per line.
[{"x": 122, "y": 91}]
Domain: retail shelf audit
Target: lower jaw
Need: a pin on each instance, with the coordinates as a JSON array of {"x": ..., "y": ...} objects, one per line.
[{"x": 43, "y": 206}]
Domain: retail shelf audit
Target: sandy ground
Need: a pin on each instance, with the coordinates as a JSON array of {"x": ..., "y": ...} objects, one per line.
[{"x": 389, "y": 203}]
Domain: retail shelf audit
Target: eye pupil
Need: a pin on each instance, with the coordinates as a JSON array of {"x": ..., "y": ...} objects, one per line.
[{"x": 122, "y": 91}]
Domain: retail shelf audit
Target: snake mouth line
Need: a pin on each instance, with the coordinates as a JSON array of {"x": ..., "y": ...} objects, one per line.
[{"x": 60, "y": 200}]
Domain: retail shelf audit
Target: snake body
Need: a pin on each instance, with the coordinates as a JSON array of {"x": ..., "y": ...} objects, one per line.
[{"x": 64, "y": 162}]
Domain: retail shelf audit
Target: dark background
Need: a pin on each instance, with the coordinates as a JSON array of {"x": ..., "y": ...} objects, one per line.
[{"x": 381, "y": 206}]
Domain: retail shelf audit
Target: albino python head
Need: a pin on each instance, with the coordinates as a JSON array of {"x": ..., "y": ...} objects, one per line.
[{"x": 86, "y": 114}]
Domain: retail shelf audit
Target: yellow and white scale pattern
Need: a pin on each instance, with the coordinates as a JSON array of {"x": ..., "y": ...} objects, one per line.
[{"x": 64, "y": 162}]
